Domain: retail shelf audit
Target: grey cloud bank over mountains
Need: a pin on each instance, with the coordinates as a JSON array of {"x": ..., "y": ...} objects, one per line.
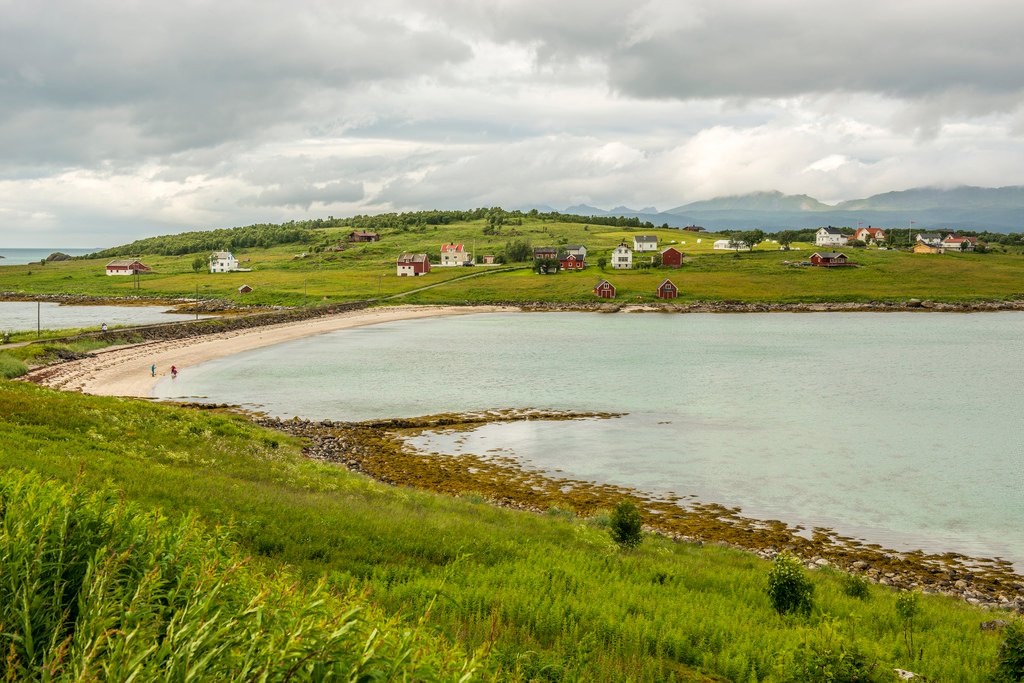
[{"x": 119, "y": 120}]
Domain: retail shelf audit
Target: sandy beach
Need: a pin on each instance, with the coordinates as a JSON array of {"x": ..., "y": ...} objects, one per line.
[{"x": 125, "y": 370}]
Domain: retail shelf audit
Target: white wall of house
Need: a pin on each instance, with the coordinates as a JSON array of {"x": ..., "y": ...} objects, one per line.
[
  {"x": 455, "y": 258},
  {"x": 823, "y": 238},
  {"x": 622, "y": 258},
  {"x": 644, "y": 246},
  {"x": 223, "y": 263}
]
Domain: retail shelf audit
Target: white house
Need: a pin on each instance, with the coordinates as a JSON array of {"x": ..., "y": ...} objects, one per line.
[
  {"x": 953, "y": 242},
  {"x": 223, "y": 262},
  {"x": 869, "y": 235},
  {"x": 829, "y": 237},
  {"x": 577, "y": 250},
  {"x": 731, "y": 245},
  {"x": 645, "y": 243},
  {"x": 622, "y": 257},
  {"x": 454, "y": 255},
  {"x": 932, "y": 239}
]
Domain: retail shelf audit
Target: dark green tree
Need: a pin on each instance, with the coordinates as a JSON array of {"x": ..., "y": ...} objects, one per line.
[
  {"x": 789, "y": 589},
  {"x": 626, "y": 525}
]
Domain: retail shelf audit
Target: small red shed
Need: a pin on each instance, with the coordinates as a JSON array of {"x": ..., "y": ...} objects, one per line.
[
  {"x": 667, "y": 290},
  {"x": 573, "y": 262},
  {"x": 672, "y": 258},
  {"x": 829, "y": 259},
  {"x": 605, "y": 289},
  {"x": 244, "y": 289}
]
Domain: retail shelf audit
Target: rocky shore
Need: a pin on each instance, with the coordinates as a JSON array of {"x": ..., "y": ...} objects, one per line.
[
  {"x": 909, "y": 305},
  {"x": 378, "y": 449}
]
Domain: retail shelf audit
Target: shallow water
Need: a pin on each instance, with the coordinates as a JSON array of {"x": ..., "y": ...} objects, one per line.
[
  {"x": 903, "y": 429},
  {"x": 21, "y": 315},
  {"x": 19, "y": 257}
]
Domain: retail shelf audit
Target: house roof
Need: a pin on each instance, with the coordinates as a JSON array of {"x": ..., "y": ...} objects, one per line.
[
  {"x": 622, "y": 245},
  {"x": 665, "y": 251},
  {"x": 603, "y": 282},
  {"x": 363, "y": 233},
  {"x": 666, "y": 281},
  {"x": 828, "y": 254},
  {"x": 124, "y": 263},
  {"x": 221, "y": 254},
  {"x": 574, "y": 247},
  {"x": 929, "y": 236},
  {"x": 536, "y": 249},
  {"x": 412, "y": 258},
  {"x": 957, "y": 239},
  {"x": 645, "y": 238},
  {"x": 832, "y": 231},
  {"x": 451, "y": 248},
  {"x": 574, "y": 257}
]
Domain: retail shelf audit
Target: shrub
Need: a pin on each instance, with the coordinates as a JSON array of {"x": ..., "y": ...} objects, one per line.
[
  {"x": 1010, "y": 657},
  {"x": 11, "y": 367},
  {"x": 789, "y": 589},
  {"x": 626, "y": 525},
  {"x": 856, "y": 586},
  {"x": 908, "y": 606},
  {"x": 825, "y": 657}
]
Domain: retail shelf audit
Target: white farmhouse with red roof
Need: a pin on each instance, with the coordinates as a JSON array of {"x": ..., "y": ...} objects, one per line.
[
  {"x": 954, "y": 242},
  {"x": 869, "y": 235},
  {"x": 127, "y": 267},
  {"x": 454, "y": 255}
]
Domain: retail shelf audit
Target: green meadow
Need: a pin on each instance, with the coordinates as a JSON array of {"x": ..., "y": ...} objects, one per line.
[
  {"x": 366, "y": 271},
  {"x": 521, "y": 596}
]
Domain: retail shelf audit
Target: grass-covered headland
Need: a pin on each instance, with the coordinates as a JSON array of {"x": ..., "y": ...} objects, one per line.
[{"x": 152, "y": 576}]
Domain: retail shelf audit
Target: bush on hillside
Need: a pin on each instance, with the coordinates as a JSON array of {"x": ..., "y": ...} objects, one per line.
[
  {"x": 1010, "y": 658},
  {"x": 11, "y": 367},
  {"x": 824, "y": 657},
  {"x": 789, "y": 589},
  {"x": 626, "y": 525}
]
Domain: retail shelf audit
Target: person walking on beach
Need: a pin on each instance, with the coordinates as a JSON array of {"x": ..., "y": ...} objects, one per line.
[
  {"x": 103, "y": 327},
  {"x": 152, "y": 370},
  {"x": 174, "y": 372}
]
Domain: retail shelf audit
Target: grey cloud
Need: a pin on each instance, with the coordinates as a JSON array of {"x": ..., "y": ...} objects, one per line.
[{"x": 303, "y": 195}]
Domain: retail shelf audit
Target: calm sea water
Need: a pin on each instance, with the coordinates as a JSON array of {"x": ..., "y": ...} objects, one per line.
[
  {"x": 901, "y": 429},
  {"x": 21, "y": 315},
  {"x": 19, "y": 257}
]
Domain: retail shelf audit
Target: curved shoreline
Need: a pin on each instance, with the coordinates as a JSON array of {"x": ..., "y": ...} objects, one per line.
[{"x": 125, "y": 370}]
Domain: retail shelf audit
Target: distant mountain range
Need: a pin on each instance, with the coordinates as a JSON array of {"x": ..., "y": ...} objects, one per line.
[{"x": 998, "y": 209}]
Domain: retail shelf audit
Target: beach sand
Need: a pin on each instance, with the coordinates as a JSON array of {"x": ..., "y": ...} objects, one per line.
[{"x": 125, "y": 370}]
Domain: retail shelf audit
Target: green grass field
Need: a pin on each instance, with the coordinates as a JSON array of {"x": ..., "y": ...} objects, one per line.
[
  {"x": 548, "y": 597},
  {"x": 367, "y": 271}
]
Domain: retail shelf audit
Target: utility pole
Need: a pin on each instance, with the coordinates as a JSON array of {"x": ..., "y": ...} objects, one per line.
[
  {"x": 197, "y": 301},
  {"x": 910, "y": 235}
]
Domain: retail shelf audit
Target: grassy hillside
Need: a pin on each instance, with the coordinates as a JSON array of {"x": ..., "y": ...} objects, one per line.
[
  {"x": 366, "y": 270},
  {"x": 550, "y": 597}
]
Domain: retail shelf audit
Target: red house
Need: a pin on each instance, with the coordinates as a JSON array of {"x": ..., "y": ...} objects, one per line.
[
  {"x": 413, "y": 264},
  {"x": 667, "y": 290},
  {"x": 573, "y": 262},
  {"x": 605, "y": 290},
  {"x": 672, "y": 257},
  {"x": 829, "y": 259}
]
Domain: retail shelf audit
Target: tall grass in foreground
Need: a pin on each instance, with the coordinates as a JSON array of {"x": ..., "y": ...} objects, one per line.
[
  {"x": 91, "y": 588},
  {"x": 552, "y": 596}
]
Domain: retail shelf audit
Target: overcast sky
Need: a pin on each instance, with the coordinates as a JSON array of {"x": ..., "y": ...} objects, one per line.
[{"x": 125, "y": 119}]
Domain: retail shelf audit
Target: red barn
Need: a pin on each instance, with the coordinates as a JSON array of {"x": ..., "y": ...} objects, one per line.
[
  {"x": 605, "y": 289},
  {"x": 127, "y": 267},
  {"x": 667, "y": 290},
  {"x": 413, "y": 264},
  {"x": 672, "y": 257},
  {"x": 829, "y": 259},
  {"x": 573, "y": 262}
]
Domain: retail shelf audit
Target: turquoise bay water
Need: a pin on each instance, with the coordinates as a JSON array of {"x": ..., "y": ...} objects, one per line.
[
  {"x": 901, "y": 429},
  {"x": 21, "y": 315}
]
